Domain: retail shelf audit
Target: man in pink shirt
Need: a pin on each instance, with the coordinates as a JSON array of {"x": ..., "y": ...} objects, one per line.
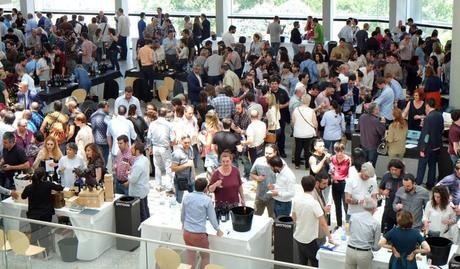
[{"x": 123, "y": 161}]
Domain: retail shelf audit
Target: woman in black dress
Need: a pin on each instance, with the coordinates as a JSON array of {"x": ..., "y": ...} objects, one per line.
[
  {"x": 40, "y": 206},
  {"x": 415, "y": 111},
  {"x": 96, "y": 164}
]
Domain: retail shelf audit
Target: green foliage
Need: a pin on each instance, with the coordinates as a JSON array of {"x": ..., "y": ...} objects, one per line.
[{"x": 437, "y": 10}]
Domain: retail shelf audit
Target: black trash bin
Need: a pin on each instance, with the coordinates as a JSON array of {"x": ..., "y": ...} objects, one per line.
[
  {"x": 68, "y": 248},
  {"x": 440, "y": 249},
  {"x": 283, "y": 241},
  {"x": 454, "y": 262},
  {"x": 127, "y": 221}
]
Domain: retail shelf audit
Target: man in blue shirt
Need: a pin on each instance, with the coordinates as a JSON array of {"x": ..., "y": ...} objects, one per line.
[
  {"x": 82, "y": 77},
  {"x": 398, "y": 91},
  {"x": 452, "y": 182},
  {"x": 169, "y": 45},
  {"x": 385, "y": 100},
  {"x": 196, "y": 207},
  {"x": 309, "y": 66},
  {"x": 141, "y": 26}
]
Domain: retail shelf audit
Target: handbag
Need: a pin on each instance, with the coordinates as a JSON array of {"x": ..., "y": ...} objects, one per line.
[
  {"x": 270, "y": 138},
  {"x": 311, "y": 125},
  {"x": 382, "y": 149}
]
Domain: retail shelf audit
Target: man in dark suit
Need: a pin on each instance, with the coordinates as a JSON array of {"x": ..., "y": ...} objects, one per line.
[
  {"x": 349, "y": 97},
  {"x": 206, "y": 27},
  {"x": 26, "y": 96},
  {"x": 195, "y": 85},
  {"x": 430, "y": 143}
]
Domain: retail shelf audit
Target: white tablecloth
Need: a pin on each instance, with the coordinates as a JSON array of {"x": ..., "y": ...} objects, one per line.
[
  {"x": 336, "y": 259},
  {"x": 164, "y": 224},
  {"x": 90, "y": 245}
]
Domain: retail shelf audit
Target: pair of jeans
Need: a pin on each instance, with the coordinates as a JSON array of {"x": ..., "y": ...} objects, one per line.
[
  {"x": 307, "y": 252},
  {"x": 180, "y": 194},
  {"x": 196, "y": 240},
  {"x": 275, "y": 48},
  {"x": 282, "y": 208},
  {"x": 281, "y": 137},
  {"x": 430, "y": 159},
  {"x": 105, "y": 152},
  {"x": 338, "y": 195},
  {"x": 214, "y": 80},
  {"x": 388, "y": 219},
  {"x": 113, "y": 57},
  {"x": 145, "y": 212},
  {"x": 305, "y": 145},
  {"x": 120, "y": 189},
  {"x": 329, "y": 145},
  {"x": 371, "y": 155},
  {"x": 162, "y": 161},
  {"x": 122, "y": 41}
]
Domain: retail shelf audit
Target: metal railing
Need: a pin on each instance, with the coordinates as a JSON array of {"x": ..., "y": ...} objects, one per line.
[{"x": 151, "y": 241}]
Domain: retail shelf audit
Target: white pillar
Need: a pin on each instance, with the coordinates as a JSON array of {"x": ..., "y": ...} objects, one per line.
[
  {"x": 328, "y": 19},
  {"x": 415, "y": 10},
  {"x": 223, "y": 8},
  {"x": 122, "y": 4},
  {"x": 27, "y": 6},
  {"x": 454, "y": 93},
  {"x": 398, "y": 11}
]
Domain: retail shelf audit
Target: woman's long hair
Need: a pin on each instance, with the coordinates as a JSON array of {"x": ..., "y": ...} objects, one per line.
[
  {"x": 398, "y": 120},
  {"x": 56, "y": 152},
  {"x": 444, "y": 193},
  {"x": 96, "y": 152},
  {"x": 336, "y": 107}
]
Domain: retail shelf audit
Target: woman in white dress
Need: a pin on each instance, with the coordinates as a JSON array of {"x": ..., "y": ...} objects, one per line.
[
  {"x": 68, "y": 163},
  {"x": 84, "y": 135}
]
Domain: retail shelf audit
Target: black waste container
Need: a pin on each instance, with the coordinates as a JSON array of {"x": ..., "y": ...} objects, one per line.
[
  {"x": 68, "y": 248},
  {"x": 440, "y": 249},
  {"x": 242, "y": 218},
  {"x": 127, "y": 221},
  {"x": 284, "y": 241},
  {"x": 454, "y": 262}
]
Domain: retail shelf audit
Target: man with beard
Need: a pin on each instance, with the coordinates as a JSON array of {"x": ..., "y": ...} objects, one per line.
[
  {"x": 412, "y": 198},
  {"x": 391, "y": 182},
  {"x": 322, "y": 180}
]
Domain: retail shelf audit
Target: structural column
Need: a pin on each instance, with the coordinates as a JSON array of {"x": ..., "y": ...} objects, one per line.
[
  {"x": 27, "y": 6},
  {"x": 122, "y": 4},
  {"x": 398, "y": 11},
  {"x": 328, "y": 18},
  {"x": 454, "y": 92},
  {"x": 223, "y": 8}
]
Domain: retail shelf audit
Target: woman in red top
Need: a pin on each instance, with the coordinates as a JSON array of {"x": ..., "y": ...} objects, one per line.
[
  {"x": 226, "y": 183},
  {"x": 340, "y": 163}
]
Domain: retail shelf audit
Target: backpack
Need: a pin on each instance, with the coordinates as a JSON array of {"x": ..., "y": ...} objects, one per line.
[
  {"x": 57, "y": 130},
  {"x": 84, "y": 28}
]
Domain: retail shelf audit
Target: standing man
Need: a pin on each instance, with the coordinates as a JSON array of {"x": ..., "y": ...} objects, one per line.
[
  {"x": 284, "y": 189},
  {"x": 146, "y": 56},
  {"x": 412, "y": 198},
  {"x": 197, "y": 207},
  {"x": 87, "y": 48},
  {"x": 361, "y": 39},
  {"x": 454, "y": 136},
  {"x": 191, "y": 129},
  {"x": 123, "y": 161},
  {"x": 347, "y": 33},
  {"x": 206, "y": 27},
  {"x": 255, "y": 137},
  {"x": 430, "y": 143},
  {"x": 226, "y": 140},
  {"x": 262, "y": 173},
  {"x": 13, "y": 160},
  {"x": 161, "y": 136},
  {"x": 318, "y": 32},
  {"x": 372, "y": 132},
  {"x": 25, "y": 95},
  {"x": 308, "y": 216},
  {"x": 195, "y": 84},
  {"x": 138, "y": 178},
  {"x": 360, "y": 186},
  {"x": 452, "y": 183},
  {"x": 182, "y": 165},
  {"x": 128, "y": 99},
  {"x": 364, "y": 237},
  {"x": 228, "y": 37},
  {"x": 389, "y": 185},
  {"x": 169, "y": 44},
  {"x": 141, "y": 25},
  {"x": 123, "y": 33},
  {"x": 99, "y": 121},
  {"x": 282, "y": 98},
  {"x": 275, "y": 30},
  {"x": 296, "y": 37},
  {"x": 117, "y": 126},
  {"x": 385, "y": 100},
  {"x": 321, "y": 183}
]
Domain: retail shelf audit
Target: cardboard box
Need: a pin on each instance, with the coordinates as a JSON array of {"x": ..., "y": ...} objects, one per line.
[
  {"x": 93, "y": 198},
  {"x": 108, "y": 188}
]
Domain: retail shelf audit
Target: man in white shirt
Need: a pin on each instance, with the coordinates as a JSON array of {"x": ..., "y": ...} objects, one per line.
[
  {"x": 191, "y": 129},
  {"x": 228, "y": 37},
  {"x": 128, "y": 99},
  {"x": 368, "y": 75},
  {"x": 308, "y": 217},
  {"x": 138, "y": 178},
  {"x": 212, "y": 66},
  {"x": 346, "y": 32},
  {"x": 255, "y": 136},
  {"x": 123, "y": 33},
  {"x": 117, "y": 126},
  {"x": 361, "y": 184},
  {"x": 284, "y": 189},
  {"x": 231, "y": 79}
]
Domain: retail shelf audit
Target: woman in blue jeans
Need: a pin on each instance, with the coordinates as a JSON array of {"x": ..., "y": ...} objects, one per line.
[{"x": 113, "y": 49}]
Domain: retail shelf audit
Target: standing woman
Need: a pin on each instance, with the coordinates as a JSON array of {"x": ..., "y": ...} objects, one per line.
[
  {"x": 333, "y": 122},
  {"x": 403, "y": 241},
  {"x": 40, "y": 207},
  {"x": 396, "y": 136},
  {"x": 68, "y": 163},
  {"x": 439, "y": 217},
  {"x": 319, "y": 162},
  {"x": 48, "y": 157},
  {"x": 305, "y": 127},
  {"x": 340, "y": 163},
  {"x": 432, "y": 86},
  {"x": 84, "y": 135},
  {"x": 415, "y": 111},
  {"x": 209, "y": 153},
  {"x": 95, "y": 163},
  {"x": 197, "y": 31},
  {"x": 226, "y": 183},
  {"x": 273, "y": 115},
  {"x": 256, "y": 45},
  {"x": 112, "y": 49}
]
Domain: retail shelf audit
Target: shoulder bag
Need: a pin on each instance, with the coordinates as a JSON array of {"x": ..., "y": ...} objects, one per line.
[{"x": 316, "y": 134}]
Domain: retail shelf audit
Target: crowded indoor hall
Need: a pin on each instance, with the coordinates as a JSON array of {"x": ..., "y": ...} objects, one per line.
[{"x": 229, "y": 134}]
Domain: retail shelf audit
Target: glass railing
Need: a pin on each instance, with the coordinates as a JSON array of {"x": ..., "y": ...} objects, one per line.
[{"x": 27, "y": 243}]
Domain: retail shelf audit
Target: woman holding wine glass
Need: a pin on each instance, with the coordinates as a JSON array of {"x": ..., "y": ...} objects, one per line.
[{"x": 226, "y": 183}]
